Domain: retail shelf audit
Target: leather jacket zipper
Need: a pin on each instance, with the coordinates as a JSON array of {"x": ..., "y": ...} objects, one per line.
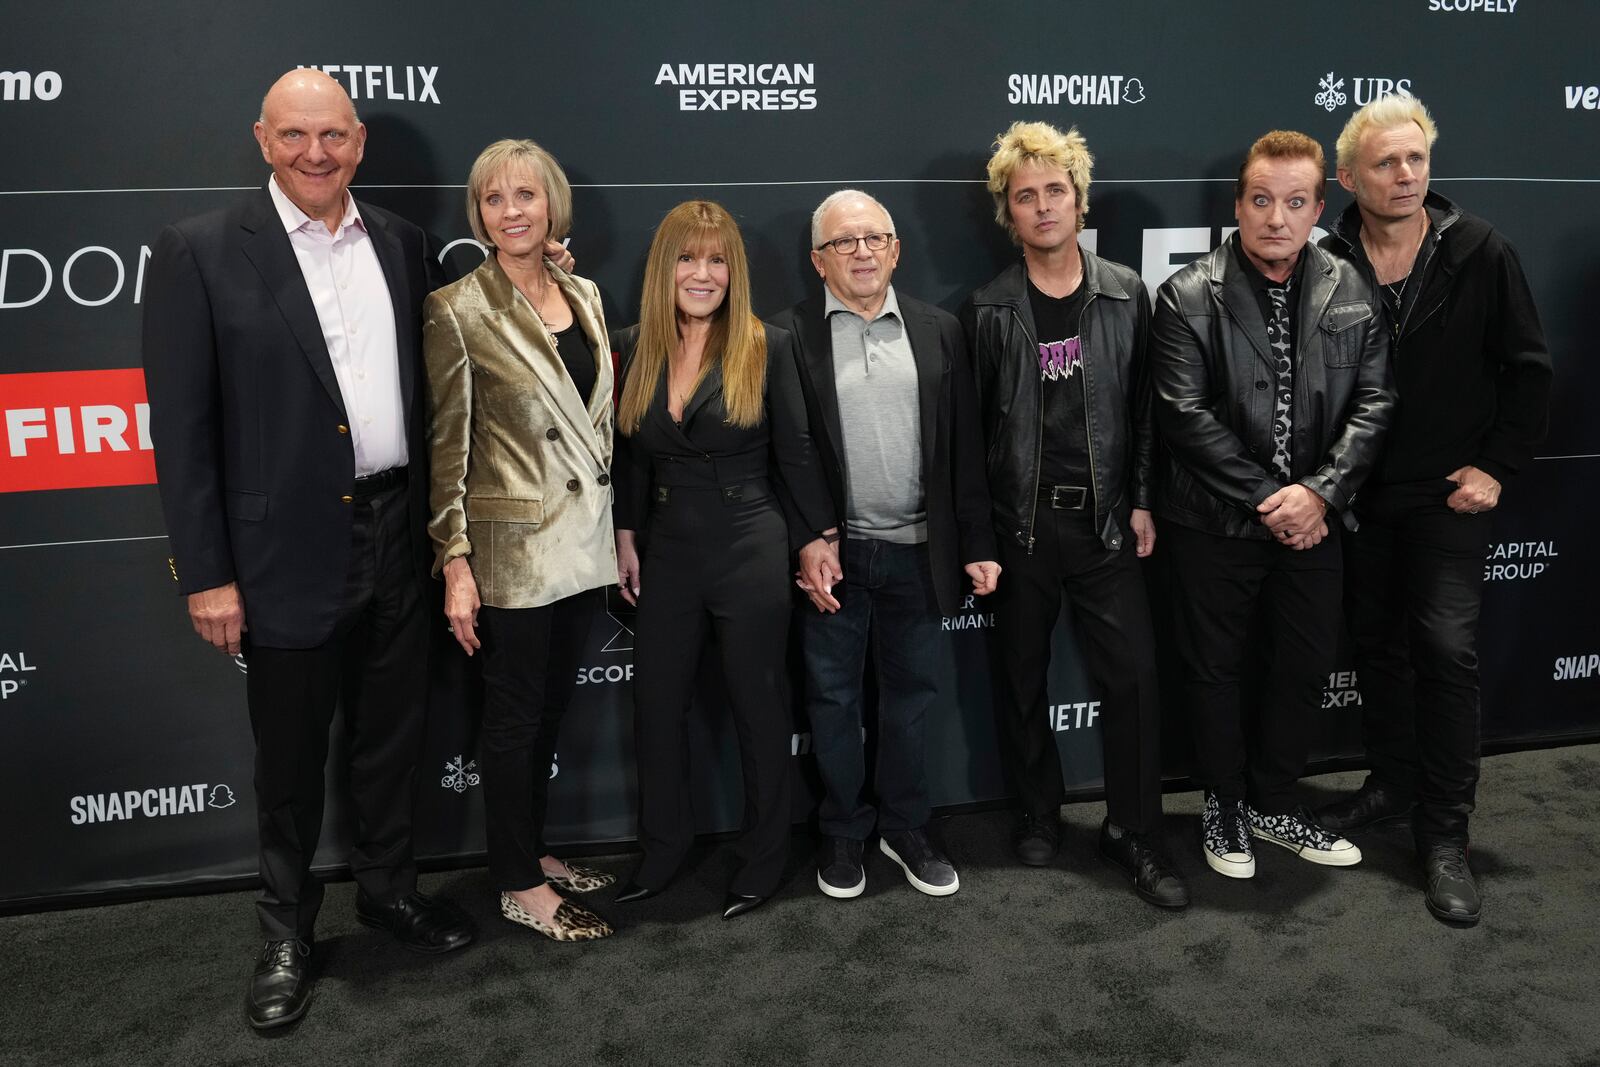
[
  {"x": 1088, "y": 425},
  {"x": 1038, "y": 437}
]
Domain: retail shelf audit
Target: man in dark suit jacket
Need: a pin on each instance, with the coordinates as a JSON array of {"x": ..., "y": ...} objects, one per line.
[
  {"x": 889, "y": 397},
  {"x": 282, "y": 350}
]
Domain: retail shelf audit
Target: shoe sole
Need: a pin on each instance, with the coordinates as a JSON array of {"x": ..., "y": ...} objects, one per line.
[
  {"x": 917, "y": 883},
  {"x": 1343, "y": 858},
  {"x": 1048, "y": 861},
  {"x": 842, "y": 893},
  {"x": 1148, "y": 898},
  {"x": 421, "y": 950},
  {"x": 1229, "y": 868}
]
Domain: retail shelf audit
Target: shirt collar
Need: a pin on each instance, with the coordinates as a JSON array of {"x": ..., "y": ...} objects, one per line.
[
  {"x": 294, "y": 219},
  {"x": 831, "y": 303}
]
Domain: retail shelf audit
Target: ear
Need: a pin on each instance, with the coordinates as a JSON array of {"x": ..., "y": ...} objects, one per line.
[
  {"x": 361, "y": 141},
  {"x": 816, "y": 261},
  {"x": 1347, "y": 179},
  {"x": 260, "y": 131}
]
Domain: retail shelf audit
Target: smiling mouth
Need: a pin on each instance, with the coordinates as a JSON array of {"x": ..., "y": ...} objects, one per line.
[{"x": 515, "y": 231}]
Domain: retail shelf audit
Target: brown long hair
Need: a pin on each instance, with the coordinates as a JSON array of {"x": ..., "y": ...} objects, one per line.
[{"x": 737, "y": 340}]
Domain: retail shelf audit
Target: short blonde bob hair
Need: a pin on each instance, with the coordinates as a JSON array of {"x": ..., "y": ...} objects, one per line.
[
  {"x": 1042, "y": 144},
  {"x": 1384, "y": 113},
  {"x": 512, "y": 156}
]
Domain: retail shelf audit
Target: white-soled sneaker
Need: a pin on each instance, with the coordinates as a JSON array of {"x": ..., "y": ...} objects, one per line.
[
  {"x": 1300, "y": 833},
  {"x": 1226, "y": 838}
]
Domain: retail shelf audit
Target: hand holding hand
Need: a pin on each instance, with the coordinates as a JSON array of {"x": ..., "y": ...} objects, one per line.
[
  {"x": 1293, "y": 511},
  {"x": 819, "y": 572}
]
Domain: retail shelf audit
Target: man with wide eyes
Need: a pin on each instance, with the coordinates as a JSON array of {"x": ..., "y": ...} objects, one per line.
[
  {"x": 1272, "y": 390},
  {"x": 1473, "y": 374}
]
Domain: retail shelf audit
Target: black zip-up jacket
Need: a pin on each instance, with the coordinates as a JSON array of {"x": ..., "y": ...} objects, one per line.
[
  {"x": 1113, "y": 329},
  {"x": 1212, "y": 374},
  {"x": 1471, "y": 366}
]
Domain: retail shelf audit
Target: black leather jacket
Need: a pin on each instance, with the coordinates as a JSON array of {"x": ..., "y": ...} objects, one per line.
[
  {"x": 1213, "y": 394},
  {"x": 1005, "y": 351}
]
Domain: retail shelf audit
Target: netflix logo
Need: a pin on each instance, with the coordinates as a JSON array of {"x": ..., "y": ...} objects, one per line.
[{"x": 75, "y": 430}]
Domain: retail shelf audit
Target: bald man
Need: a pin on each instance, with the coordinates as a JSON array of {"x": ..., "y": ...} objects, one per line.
[{"x": 283, "y": 356}]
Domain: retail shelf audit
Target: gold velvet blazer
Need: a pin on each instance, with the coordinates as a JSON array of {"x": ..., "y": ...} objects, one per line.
[{"x": 520, "y": 467}]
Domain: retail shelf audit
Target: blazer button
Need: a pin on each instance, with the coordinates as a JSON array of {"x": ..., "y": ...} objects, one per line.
[
  {"x": 572, "y": 485},
  {"x": 1261, "y": 385},
  {"x": 347, "y": 499},
  {"x": 343, "y": 428},
  {"x": 605, "y": 479},
  {"x": 552, "y": 433}
]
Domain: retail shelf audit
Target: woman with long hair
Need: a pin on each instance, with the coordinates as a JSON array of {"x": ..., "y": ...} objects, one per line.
[
  {"x": 717, "y": 487},
  {"x": 519, "y": 376}
]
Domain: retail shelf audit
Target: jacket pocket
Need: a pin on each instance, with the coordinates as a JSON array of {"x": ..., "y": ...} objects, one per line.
[
  {"x": 505, "y": 509},
  {"x": 246, "y": 505},
  {"x": 1341, "y": 341}
]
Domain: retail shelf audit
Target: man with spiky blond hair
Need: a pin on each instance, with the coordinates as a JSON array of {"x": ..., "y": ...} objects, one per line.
[
  {"x": 1473, "y": 376},
  {"x": 1058, "y": 344}
]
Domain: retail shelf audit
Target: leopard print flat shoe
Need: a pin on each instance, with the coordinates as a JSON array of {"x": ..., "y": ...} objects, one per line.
[
  {"x": 571, "y": 923},
  {"x": 581, "y": 879}
]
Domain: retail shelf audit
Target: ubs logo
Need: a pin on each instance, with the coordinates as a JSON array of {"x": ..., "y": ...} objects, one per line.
[
  {"x": 1331, "y": 95},
  {"x": 21, "y": 85}
]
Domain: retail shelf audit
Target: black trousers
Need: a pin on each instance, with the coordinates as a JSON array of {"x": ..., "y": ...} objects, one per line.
[
  {"x": 377, "y": 660},
  {"x": 530, "y": 667},
  {"x": 1254, "y": 612},
  {"x": 1414, "y": 585},
  {"x": 1106, "y": 592},
  {"x": 713, "y": 566}
]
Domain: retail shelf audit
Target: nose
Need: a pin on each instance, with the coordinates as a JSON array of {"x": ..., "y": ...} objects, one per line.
[
  {"x": 316, "y": 153},
  {"x": 862, "y": 251},
  {"x": 1275, "y": 217}
]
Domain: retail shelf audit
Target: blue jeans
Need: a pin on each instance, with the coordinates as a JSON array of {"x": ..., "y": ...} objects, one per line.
[{"x": 887, "y": 596}]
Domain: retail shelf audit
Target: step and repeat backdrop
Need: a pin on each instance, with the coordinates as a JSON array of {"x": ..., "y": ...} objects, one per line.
[{"x": 125, "y": 750}]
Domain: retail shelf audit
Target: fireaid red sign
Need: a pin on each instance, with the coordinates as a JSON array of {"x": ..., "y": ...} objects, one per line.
[{"x": 75, "y": 429}]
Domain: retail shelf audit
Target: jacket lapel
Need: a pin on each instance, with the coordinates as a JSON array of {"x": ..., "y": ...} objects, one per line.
[
  {"x": 1233, "y": 287},
  {"x": 923, "y": 336},
  {"x": 710, "y": 387},
  {"x": 815, "y": 337},
  {"x": 391, "y": 258},
  {"x": 524, "y": 336},
  {"x": 270, "y": 252}
]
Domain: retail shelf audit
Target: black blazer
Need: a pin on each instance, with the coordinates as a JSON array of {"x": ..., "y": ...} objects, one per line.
[
  {"x": 253, "y": 453},
  {"x": 959, "y": 526},
  {"x": 707, "y": 452}
]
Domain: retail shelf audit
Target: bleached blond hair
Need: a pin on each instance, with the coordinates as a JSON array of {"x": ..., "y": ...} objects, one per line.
[{"x": 1039, "y": 143}]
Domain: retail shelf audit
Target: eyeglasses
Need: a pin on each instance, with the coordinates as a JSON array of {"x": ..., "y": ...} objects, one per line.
[{"x": 875, "y": 242}]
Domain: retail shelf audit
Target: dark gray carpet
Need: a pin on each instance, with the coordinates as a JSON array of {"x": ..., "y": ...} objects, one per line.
[{"x": 1304, "y": 964}]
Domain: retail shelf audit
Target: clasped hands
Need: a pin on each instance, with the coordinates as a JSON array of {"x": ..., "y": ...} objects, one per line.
[{"x": 1296, "y": 516}]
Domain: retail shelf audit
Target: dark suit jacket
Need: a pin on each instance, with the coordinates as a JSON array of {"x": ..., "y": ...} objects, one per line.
[
  {"x": 706, "y": 451},
  {"x": 253, "y": 452},
  {"x": 957, "y": 489}
]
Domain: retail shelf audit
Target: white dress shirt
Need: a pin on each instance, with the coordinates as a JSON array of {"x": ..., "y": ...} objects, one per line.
[{"x": 351, "y": 296}]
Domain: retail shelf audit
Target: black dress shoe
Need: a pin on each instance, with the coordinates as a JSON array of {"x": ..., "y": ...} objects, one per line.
[
  {"x": 419, "y": 922},
  {"x": 1366, "y": 807},
  {"x": 280, "y": 989},
  {"x": 739, "y": 903},
  {"x": 1451, "y": 893},
  {"x": 1154, "y": 879},
  {"x": 1036, "y": 839},
  {"x": 630, "y": 891}
]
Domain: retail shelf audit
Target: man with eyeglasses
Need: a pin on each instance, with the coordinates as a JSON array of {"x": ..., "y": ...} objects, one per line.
[
  {"x": 1058, "y": 341},
  {"x": 888, "y": 395}
]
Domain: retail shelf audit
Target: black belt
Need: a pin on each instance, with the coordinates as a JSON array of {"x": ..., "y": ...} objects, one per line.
[
  {"x": 748, "y": 491},
  {"x": 373, "y": 484},
  {"x": 1064, "y": 497}
]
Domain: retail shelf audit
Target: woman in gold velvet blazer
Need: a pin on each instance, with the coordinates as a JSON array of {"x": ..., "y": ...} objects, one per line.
[{"x": 519, "y": 375}]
